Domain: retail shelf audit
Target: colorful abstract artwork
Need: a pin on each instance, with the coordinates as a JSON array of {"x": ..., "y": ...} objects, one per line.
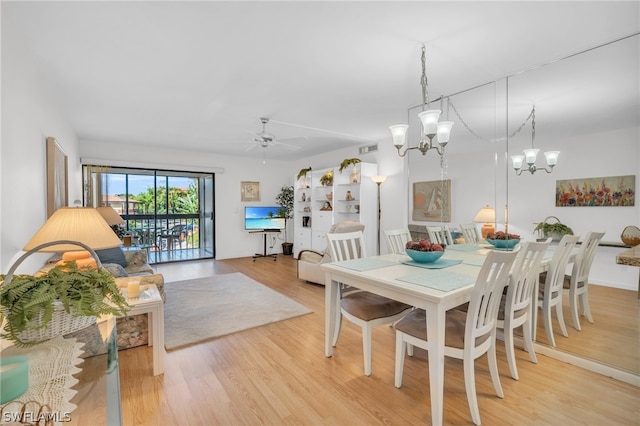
[{"x": 596, "y": 192}]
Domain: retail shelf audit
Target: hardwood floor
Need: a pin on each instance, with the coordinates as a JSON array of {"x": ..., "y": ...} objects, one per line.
[{"x": 278, "y": 374}]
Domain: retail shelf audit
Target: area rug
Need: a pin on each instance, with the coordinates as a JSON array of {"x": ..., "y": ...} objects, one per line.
[{"x": 205, "y": 308}]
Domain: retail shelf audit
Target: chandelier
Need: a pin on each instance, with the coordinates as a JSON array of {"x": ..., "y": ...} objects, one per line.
[
  {"x": 530, "y": 155},
  {"x": 430, "y": 126}
]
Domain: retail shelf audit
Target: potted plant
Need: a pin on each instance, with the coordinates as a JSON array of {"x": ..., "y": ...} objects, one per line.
[
  {"x": 554, "y": 230},
  {"x": 355, "y": 174},
  {"x": 302, "y": 174},
  {"x": 327, "y": 179},
  {"x": 285, "y": 200},
  {"x": 65, "y": 298}
]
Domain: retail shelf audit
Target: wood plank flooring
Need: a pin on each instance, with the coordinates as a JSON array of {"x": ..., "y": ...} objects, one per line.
[{"x": 278, "y": 374}]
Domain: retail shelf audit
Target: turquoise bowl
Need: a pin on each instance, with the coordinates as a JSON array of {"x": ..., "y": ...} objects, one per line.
[
  {"x": 424, "y": 256},
  {"x": 503, "y": 244},
  {"x": 14, "y": 377}
]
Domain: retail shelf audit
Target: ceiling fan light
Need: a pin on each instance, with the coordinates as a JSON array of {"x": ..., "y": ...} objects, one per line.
[
  {"x": 552, "y": 157},
  {"x": 517, "y": 161},
  {"x": 399, "y": 134},
  {"x": 429, "y": 120},
  {"x": 444, "y": 131},
  {"x": 531, "y": 155}
]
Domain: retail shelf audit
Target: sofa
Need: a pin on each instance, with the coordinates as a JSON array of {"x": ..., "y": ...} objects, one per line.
[{"x": 310, "y": 261}]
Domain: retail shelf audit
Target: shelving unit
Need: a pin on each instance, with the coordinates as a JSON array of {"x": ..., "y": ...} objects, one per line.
[{"x": 351, "y": 197}]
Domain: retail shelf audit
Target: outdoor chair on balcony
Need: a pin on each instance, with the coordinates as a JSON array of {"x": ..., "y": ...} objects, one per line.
[{"x": 174, "y": 236}]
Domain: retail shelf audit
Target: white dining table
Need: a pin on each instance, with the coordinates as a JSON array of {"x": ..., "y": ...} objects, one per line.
[{"x": 434, "y": 290}]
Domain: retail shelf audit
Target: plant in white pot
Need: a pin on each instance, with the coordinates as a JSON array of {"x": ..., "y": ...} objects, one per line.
[{"x": 285, "y": 200}]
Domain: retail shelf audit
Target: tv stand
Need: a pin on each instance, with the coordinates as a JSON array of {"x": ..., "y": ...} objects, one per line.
[{"x": 264, "y": 243}]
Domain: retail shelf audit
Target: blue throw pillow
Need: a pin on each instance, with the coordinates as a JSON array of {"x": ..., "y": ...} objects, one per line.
[
  {"x": 115, "y": 270},
  {"x": 112, "y": 255}
]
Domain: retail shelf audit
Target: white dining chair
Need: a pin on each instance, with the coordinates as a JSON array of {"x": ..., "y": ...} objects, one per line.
[
  {"x": 550, "y": 290},
  {"x": 515, "y": 305},
  {"x": 578, "y": 282},
  {"x": 397, "y": 239},
  {"x": 439, "y": 234},
  {"x": 470, "y": 233},
  {"x": 469, "y": 334},
  {"x": 362, "y": 308}
]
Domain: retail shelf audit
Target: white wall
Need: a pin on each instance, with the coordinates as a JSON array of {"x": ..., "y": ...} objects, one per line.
[{"x": 29, "y": 114}]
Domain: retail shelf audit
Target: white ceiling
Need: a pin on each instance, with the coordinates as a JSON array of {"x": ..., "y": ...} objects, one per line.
[{"x": 328, "y": 74}]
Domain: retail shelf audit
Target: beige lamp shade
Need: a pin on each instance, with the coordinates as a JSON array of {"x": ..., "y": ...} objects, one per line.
[
  {"x": 110, "y": 215},
  {"x": 486, "y": 215},
  {"x": 82, "y": 224},
  {"x": 378, "y": 179}
]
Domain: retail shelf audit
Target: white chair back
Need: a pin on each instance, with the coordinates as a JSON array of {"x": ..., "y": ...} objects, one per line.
[
  {"x": 485, "y": 300},
  {"x": 346, "y": 246},
  {"x": 440, "y": 235},
  {"x": 470, "y": 233},
  {"x": 557, "y": 266},
  {"x": 397, "y": 239},
  {"x": 524, "y": 275},
  {"x": 584, "y": 258}
]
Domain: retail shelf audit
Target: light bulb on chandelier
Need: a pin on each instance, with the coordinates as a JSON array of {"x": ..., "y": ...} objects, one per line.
[
  {"x": 530, "y": 155},
  {"x": 431, "y": 128}
]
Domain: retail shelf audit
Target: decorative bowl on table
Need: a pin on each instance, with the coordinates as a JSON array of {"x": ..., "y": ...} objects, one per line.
[
  {"x": 503, "y": 240},
  {"x": 424, "y": 256}
]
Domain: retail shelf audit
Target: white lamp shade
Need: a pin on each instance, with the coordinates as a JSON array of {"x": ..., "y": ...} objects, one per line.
[
  {"x": 517, "y": 161},
  {"x": 552, "y": 157},
  {"x": 378, "y": 179},
  {"x": 429, "y": 120},
  {"x": 487, "y": 214},
  {"x": 399, "y": 134},
  {"x": 444, "y": 131},
  {"x": 531, "y": 155},
  {"x": 110, "y": 215},
  {"x": 81, "y": 224}
]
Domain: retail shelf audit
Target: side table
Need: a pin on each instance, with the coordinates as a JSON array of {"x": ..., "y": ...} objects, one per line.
[{"x": 150, "y": 302}]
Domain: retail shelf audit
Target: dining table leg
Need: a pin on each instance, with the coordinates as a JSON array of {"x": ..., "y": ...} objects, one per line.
[
  {"x": 436, "y": 318},
  {"x": 330, "y": 307},
  {"x": 534, "y": 308}
]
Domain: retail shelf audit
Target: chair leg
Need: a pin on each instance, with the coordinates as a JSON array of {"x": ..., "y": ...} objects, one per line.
[
  {"x": 563, "y": 327},
  {"x": 528, "y": 341},
  {"x": 493, "y": 369},
  {"x": 509, "y": 349},
  {"x": 546, "y": 313},
  {"x": 400, "y": 353},
  {"x": 337, "y": 329},
  {"x": 584, "y": 303},
  {"x": 573, "y": 303},
  {"x": 470, "y": 387},
  {"x": 366, "y": 348}
]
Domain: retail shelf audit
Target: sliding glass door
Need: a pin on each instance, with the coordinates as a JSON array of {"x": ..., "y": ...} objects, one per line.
[{"x": 169, "y": 213}]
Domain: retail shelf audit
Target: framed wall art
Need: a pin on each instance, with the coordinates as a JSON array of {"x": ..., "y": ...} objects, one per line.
[
  {"x": 432, "y": 201},
  {"x": 610, "y": 191},
  {"x": 250, "y": 191},
  {"x": 57, "y": 177}
]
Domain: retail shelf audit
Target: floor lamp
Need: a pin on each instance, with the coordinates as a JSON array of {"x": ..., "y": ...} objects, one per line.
[{"x": 378, "y": 180}]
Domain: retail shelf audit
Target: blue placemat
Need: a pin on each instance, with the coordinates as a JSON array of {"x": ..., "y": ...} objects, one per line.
[
  {"x": 475, "y": 262},
  {"x": 439, "y": 280},
  {"x": 438, "y": 264},
  {"x": 464, "y": 247},
  {"x": 365, "y": 264}
]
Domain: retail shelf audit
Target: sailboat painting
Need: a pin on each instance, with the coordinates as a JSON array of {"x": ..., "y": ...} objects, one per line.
[{"x": 432, "y": 201}]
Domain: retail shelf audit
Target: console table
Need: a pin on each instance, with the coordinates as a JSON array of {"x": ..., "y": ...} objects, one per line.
[{"x": 630, "y": 257}]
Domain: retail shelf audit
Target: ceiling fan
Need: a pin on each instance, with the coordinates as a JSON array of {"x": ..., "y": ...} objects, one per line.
[{"x": 266, "y": 139}]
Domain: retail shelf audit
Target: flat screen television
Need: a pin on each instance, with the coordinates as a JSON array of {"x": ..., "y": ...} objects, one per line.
[{"x": 259, "y": 218}]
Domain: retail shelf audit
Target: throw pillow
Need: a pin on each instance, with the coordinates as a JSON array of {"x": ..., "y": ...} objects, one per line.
[
  {"x": 116, "y": 270},
  {"x": 112, "y": 255}
]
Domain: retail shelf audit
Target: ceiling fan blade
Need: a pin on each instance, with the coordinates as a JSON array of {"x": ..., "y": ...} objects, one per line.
[
  {"x": 287, "y": 146},
  {"x": 323, "y": 130},
  {"x": 251, "y": 147}
]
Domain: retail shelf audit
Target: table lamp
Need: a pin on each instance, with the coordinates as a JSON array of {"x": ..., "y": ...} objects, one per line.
[
  {"x": 65, "y": 230},
  {"x": 487, "y": 216},
  {"x": 110, "y": 215}
]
